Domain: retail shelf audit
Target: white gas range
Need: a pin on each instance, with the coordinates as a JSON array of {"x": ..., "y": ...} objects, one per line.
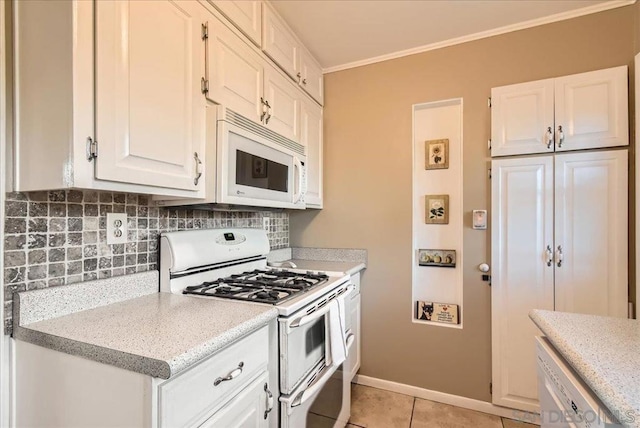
[{"x": 313, "y": 339}]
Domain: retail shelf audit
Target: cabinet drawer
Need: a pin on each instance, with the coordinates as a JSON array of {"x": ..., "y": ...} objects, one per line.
[{"x": 192, "y": 395}]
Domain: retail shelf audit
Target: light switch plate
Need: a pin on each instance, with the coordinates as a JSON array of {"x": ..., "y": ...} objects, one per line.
[
  {"x": 480, "y": 219},
  {"x": 116, "y": 228}
]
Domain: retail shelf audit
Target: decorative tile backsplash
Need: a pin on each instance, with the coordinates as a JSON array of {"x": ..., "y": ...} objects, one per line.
[{"x": 59, "y": 237}]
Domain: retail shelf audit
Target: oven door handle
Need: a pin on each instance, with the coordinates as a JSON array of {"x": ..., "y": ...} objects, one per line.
[
  {"x": 299, "y": 322},
  {"x": 311, "y": 391}
]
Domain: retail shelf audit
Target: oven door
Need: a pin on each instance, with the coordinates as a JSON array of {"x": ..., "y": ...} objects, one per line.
[
  {"x": 323, "y": 400},
  {"x": 252, "y": 170}
]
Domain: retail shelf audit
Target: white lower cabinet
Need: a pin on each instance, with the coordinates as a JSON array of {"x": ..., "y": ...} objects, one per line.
[
  {"x": 354, "y": 315},
  {"x": 559, "y": 242},
  {"x": 248, "y": 409},
  {"x": 236, "y": 387}
]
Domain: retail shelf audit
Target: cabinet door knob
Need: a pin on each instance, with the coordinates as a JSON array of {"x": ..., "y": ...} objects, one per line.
[
  {"x": 560, "y": 136},
  {"x": 198, "y": 172},
  {"x": 559, "y": 256},
  {"x": 549, "y": 137},
  {"x": 549, "y": 255},
  {"x": 232, "y": 375},
  {"x": 269, "y": 400}
]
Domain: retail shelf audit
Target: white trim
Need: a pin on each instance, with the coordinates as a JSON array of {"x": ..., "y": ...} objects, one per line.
[
  {"x": 5, "y": 378},
  {"x": 637, "y": 164},
  {"x": 441, "y": 397},
  {"x": 600, "y": 7}
]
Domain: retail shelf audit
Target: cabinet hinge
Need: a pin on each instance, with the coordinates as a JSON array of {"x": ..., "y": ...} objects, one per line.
[
  {"x": 204, "y": 86},
  {"x": 92, "y": 149},
  {"x": 491, "y": 388},
  {"x": 489, "y": 143},
  {"x": 489, "y": 102},
  {"x": 205, "y": 31},
  {"x": 489, "y": 173}
]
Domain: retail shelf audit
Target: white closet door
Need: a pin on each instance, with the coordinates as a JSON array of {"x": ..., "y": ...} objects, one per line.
[
  {"x": 592, "y": 109},
  {"x": 522, "y": 118},
  {"x": 591, "y": 232},
  {"x": 149, "y": 108},
  {"x": 522, "y": 228}
]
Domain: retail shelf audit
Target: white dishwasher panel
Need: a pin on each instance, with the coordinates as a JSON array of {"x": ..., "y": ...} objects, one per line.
[{"x": 565, "y": 400}]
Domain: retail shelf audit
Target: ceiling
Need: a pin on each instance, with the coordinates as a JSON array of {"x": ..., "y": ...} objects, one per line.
[{"x": 348, "y": 33}]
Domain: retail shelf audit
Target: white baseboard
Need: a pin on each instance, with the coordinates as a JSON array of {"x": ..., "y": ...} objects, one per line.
[{"x": 441, "y": 397}]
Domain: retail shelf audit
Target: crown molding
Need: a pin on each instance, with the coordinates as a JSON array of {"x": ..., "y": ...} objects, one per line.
[{"x": 600, "y": 7}]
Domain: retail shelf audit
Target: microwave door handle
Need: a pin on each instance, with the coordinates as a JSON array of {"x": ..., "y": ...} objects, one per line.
[{"x": 298, "y": 192}]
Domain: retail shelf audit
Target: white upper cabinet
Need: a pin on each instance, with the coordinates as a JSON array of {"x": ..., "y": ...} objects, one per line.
[
  {"x": 240, "y": 79},
  {"x": 581, "y": 111},
  {"x": 281, "y": 44},
  {"x": 283, "y": 104},
  {"x": 310, "y": 78},
  {"x": 236, "y": 72},
  {"x": 311, "y": 138},
  {"x": 149, "y": 108},
  {"x": 246, "y": 15},
  {"x": 592, "y": 110},
  {"x": 124, "y": 74}
]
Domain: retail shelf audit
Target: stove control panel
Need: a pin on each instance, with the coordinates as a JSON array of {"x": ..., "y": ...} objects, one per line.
[{"x": 230, "y": 238}]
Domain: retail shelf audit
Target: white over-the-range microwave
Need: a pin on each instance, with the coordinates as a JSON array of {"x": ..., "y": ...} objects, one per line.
[{"x": 247, "y": 164}]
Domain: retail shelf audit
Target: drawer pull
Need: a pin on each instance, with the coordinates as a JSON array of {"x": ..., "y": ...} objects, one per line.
[
  {"x": 269, "y": 401},
  {"x": 232, "y": 375}
]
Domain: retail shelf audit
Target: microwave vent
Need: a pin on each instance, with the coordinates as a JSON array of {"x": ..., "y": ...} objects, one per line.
[{"x": 239, "y": 120}]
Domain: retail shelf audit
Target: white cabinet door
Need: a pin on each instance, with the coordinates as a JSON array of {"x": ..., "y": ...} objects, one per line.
[
  {"x": 522, "y": 231},
  {"x": 245, "y": 410},
  {"x": 592, "y": 110},
  {"x": 279, "y": 42},
  {"x": 246, "y": 15},
  {"x": 591, "y": 233},
  {"x": 311, "y": 79},
  {"x": 353, "y": 361},
  {"x": 311, "y": 138},
  {"x": 149, "y": 108},
  {"x": 522, "y": 118},
  {"x": 283, "y": 99},
  {"x": 235, "y": 71}
]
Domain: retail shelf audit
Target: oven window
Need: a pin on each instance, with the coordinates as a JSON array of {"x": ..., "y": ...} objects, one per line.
[
  {"x": 262, "y": 173},
  {"x": 315, "y": 336}
]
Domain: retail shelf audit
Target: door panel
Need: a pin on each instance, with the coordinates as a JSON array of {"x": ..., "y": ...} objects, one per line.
[
  {"x": 522, "y": 228},
  {"x": 246, "y": 15},
  {"x": 149, "y": 109},
  {"x": 521, "y": 117},
  {"x": 235, "y": 72},
  {"x": 279, "y": 43},
  {"x": 311, "y": 138},
  {"x": 592, "y": 109},
  {"x": 284, "y": 101},
  {"x": 591, "y": 229}
]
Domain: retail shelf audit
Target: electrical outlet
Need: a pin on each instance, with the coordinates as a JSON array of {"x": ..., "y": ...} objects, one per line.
[
  {"x": 265, "y": 223},
  {"x": 116, "y": 228}
]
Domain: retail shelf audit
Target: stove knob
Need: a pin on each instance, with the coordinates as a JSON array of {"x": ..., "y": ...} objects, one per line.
[{"x": 321, "y": 273}]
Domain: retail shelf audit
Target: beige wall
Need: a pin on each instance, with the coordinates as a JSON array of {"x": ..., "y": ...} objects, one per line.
[{"x": 368, "y": 177}]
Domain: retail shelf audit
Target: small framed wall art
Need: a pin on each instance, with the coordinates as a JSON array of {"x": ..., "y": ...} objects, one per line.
[
  {"x": 436, "y": 209},
  {"x": 436, "y": 154},
  {"x": 439, "y": 258},
  {"x": 438, "y": 312}
]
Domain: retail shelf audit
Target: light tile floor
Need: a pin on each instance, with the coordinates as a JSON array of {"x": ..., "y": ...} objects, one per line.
[{"x": 377, "y": 408}]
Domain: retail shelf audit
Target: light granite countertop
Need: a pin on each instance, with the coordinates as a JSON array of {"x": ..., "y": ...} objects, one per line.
[
  {"x": 605, "y": 352},
  {"x": 349, "y": 268},
  {"x": 158, "y": 334}
]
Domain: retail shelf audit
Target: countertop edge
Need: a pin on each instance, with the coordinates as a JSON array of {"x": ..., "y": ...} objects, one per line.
[
  {"x": 587, "y": 372},
  {"x": 140, "y": 363}
]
